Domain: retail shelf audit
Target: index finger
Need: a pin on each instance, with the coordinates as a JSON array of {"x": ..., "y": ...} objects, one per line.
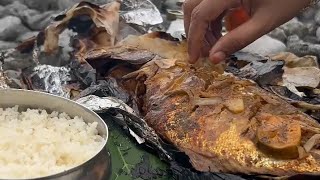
[
  {"x": 188, "y": 7},
  {"x": 206, "y": 12}
]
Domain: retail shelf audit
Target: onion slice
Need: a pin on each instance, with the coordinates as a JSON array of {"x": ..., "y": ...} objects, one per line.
[
  {"x": 311, "y": 142},
  {"x": 302, "y": 152},
  {"x": 207, "y": 101},
  {"x": 315, "y": 153}
]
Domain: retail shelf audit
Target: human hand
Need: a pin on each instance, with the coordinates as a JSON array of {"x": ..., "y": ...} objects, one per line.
[{"x": 203, "y": 24}]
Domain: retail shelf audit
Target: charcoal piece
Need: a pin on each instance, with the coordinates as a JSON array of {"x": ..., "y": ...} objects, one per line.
[
  {"x": 105, "y": 88},
  {"x": 264, "y": 72},
  {"x": 258, "y": 68},
  {"x": 83, "y": 72},
  {"x": 304, "y": 176},
  {"x": 115, "y": 90},
  {"x": 81, "y": 24},
  {"x": 180, "y": 172},
  {"x": 95, "y": 89},
  {"x": 270, "y": 74}
]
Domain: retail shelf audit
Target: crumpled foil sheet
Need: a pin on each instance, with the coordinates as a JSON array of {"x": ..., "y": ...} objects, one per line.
[
  {"x": 103, "y": 104},
  {"x": 3, "y": 84},
  {"x": 126, "y": 117},
  {"x": 141, "y": 12},
  {"x": 51, "y": 79}
]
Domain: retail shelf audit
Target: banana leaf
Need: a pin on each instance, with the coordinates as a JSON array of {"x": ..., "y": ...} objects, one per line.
[{"x": 129, "y": 160}]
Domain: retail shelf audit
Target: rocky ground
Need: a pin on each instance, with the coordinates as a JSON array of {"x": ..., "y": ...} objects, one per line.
[
  {"x": 301, "y": 35},
  {"x": 21, "y": 19}
]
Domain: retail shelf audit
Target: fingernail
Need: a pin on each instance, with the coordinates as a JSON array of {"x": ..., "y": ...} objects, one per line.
[{"x": 217, "y": 57}]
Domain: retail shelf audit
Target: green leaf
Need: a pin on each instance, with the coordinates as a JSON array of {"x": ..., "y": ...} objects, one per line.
[{"x": 129, "y": 160}]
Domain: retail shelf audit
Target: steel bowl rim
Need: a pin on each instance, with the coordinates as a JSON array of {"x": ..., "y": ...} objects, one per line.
[{"x": 68, "y": 101}]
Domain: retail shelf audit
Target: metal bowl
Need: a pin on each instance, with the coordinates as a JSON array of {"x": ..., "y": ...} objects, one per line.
[{"x": 96, "y": 168}]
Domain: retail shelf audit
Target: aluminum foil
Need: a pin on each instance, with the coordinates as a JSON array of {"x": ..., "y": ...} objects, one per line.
[
  {"x": 126, "y": 116},
  {"x": 176, "y": 29},
  {"x": 51, "y": 79},
  {"x": 103, "y": 104},
  {"x": 141, "y": 12},
  {"x": 3, "y": 83}
]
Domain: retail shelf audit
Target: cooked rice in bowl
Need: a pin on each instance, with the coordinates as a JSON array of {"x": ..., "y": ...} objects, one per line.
[{"x": 35, "y": 144}]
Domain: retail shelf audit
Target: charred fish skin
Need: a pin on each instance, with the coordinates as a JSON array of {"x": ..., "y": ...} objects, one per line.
[
  {"x": 223, "y": 123},
  {"x": 218, "y": 139}
]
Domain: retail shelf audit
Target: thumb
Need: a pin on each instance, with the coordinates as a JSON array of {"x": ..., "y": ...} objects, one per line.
[{"x": 237, "y": 39}]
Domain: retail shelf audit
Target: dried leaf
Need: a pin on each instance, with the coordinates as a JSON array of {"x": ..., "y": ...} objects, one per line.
[
  {"x": 264, "y": 72},
  {"x": 291, "y": 60},
  {"x": 166, "y": 63},
  {"x": 129, "y": 54},
  {"x": 159, "y": 43},
  {"x": 96, "y": 26},
  {"x": 301, "y": 77}
]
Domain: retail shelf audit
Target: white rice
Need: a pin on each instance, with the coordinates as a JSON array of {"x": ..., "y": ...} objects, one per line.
[{"x": 34, "y": 143}]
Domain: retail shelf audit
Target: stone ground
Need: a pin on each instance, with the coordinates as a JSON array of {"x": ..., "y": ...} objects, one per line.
[{"x": 21, "y": 19}]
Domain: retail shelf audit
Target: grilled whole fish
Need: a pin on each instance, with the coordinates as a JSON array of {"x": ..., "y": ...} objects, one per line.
[{"x": 222, "y": 123}]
